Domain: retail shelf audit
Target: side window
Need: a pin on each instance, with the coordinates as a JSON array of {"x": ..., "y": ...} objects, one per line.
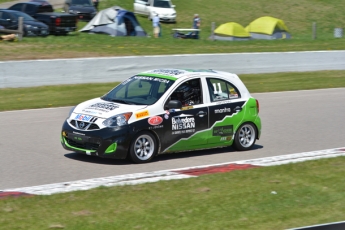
[
  {"x": 6, "y": 16},
  {"x": 30, "y": 9},
  {"x": 189, "y": 93},
  {"x": 17, "y": 7},
  {"x": 221, "y": 90}
]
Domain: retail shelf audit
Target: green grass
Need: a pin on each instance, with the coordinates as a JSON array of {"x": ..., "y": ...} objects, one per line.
[
  {"x": 237, "y": 200},
  {"x": 64, "y": 95},
  {"x": 297, "y": 14}
]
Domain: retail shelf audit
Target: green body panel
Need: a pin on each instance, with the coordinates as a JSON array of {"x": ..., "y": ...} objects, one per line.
[
  {"x": 249, "y": 113},
  {"x": 79, "y": 149},
  {"x": 111, "y": 148}
]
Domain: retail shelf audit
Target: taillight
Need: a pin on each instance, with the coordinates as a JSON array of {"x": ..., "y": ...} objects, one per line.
[
  {"x": 257, "y": 105},
  {"x": 57, "y": 21}
]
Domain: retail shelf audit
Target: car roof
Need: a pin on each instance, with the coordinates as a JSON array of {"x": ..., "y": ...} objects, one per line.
[
  {"x": 10, "y": 11},
  {"x": 32, "y": 3},
  {"x": 181, "y": 73}
]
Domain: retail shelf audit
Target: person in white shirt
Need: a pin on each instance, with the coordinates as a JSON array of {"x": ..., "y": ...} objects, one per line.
[{"x": 155, "y": 24}]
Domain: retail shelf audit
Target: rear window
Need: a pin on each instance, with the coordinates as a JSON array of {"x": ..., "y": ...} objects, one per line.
[{"x": 42, "y": 9}]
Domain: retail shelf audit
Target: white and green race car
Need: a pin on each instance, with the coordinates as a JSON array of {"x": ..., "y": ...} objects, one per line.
[{"x": 163, "y": 111}]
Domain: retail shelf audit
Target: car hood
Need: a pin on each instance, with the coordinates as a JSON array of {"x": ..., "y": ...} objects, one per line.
[
  {"x": 163, "y": 10},
  {"x": 36, "y": 24},
  {"x": 83, "y": 9},
  {"x": 104, "y": 109}
]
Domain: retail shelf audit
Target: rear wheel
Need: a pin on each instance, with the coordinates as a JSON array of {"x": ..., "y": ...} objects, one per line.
[
  {"x": 245, "y": 137},
  {"x": 143, "y": 147}
]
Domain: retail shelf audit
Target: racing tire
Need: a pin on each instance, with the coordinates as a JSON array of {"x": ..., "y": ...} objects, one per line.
[
  {"x": 143, "y": 147},
  {"x": 245, "y": 137}
]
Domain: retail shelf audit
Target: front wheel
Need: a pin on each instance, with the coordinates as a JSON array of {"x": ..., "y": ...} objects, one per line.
[
  {"x": 245, "y": 137},
  {"x": 143, "y": 148}
]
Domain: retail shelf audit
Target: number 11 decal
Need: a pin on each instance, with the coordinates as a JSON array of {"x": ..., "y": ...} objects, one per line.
[{"x": 215, "y": 88}]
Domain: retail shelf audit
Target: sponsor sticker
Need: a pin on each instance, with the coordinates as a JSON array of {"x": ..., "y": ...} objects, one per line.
[
  {"x": 225, "y": 138},
  {"x": 183, "y": 124},
  {"x": 156, "y": 127},
  {"x": 224, "y": 110},
  {"x": 81, "y": 117},
  {"x": 104, "y": 107},
  {"x": 156, "y": 120},
  {"x": 187, "y": 107},
  {"x": 142, "y": 114},
  {"x": 166, "y": 81},
  {"x": 169, "y": 72},
  {"x": 223, "y": 131},
  {"x": 223, "y": 102}
]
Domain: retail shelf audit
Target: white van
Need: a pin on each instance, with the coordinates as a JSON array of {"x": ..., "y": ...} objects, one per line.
[{"x": 164, "y": 8}]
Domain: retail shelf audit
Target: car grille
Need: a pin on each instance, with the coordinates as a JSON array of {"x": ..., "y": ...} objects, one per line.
[
  {"x": 86, "y": 145},
  {"x": 84, "y": 125}
]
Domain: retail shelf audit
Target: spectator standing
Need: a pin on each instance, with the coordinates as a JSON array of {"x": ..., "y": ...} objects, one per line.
[
  {"x": 196, "y": 24},
  {"x": 156, "y": 25},
  {"x": 95, "y": 4}
]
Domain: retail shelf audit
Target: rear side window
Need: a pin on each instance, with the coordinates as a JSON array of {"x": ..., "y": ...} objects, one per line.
[
  {"x": 17, "y": 7},
  {"x": 222, "y": 90}
]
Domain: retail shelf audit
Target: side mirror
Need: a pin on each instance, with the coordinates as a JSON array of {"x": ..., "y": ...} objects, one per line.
[
  {"x": 173, "y": 6},
  {"x": 173, "y": 104}
]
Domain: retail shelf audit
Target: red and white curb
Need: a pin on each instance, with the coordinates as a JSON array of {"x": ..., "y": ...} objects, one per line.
[{"x": 171, "y": 174}]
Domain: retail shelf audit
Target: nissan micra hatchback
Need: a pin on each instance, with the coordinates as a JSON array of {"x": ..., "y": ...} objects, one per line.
[{"x": 163, "y": 111}]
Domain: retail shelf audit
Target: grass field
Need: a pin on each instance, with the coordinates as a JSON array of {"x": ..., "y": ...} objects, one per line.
[
  {"x": 307, "y": 193},
  {"x": 297, "y": 14}
]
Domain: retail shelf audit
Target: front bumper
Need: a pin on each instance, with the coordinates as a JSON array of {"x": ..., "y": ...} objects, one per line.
[
  {"x": 31, "y": 32},
  {"x": 106, "y": 143},
  {"x": 167, "y": 19}
]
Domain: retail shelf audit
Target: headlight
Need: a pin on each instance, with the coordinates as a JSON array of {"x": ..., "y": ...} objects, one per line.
[
  {"x": 118, "y": 120},
  {"x": 174, "y": 14},
  {"x": 28, "y": 26}
]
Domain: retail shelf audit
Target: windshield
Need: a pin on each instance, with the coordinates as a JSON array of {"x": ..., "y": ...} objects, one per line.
[
  {"x": 26, "y": 17},
  {"x": 139, "y": 90},
  {"x": 81, "y": 2},
  {"x": 161, "y": 4}
]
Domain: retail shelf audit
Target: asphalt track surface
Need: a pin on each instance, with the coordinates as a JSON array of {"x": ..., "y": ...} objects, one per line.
[{"x": 293, "y": 122}]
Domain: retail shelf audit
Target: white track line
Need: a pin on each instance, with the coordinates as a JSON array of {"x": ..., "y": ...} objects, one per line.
[{"x": 171, "y": 174}]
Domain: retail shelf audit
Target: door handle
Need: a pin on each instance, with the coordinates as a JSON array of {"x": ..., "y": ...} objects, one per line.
[
  {"x": 238, "y": 109},
  {"x": 201, "y": 113}
]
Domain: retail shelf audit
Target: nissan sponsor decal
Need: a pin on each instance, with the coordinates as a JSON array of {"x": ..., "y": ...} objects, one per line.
[
  {"x": 152, "y": 79},
  {"x": 105, "y": 107},
  {"x": 222, "y": 131},
  {"x": 183, "y": 124}
]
